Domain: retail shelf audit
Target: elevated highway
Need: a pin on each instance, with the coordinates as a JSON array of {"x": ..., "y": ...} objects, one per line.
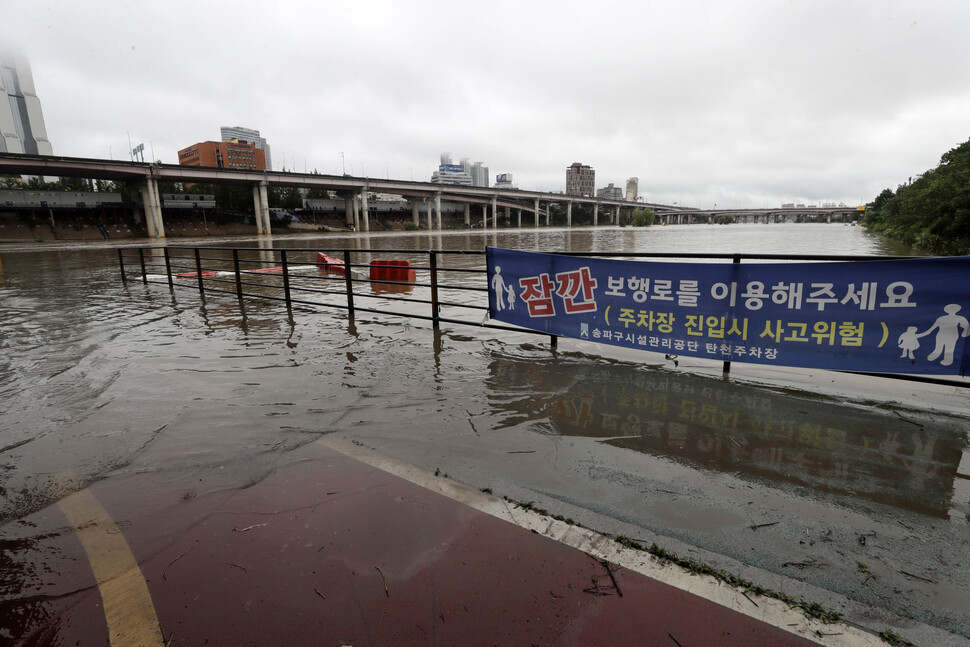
[{"x": 354, "y": 190}]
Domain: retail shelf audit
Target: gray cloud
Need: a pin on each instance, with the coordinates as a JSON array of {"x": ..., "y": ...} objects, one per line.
[{"x": 754, "y": 102}]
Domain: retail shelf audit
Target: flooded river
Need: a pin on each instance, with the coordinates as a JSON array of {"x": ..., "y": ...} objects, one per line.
[{"x": 794, "y": 476}]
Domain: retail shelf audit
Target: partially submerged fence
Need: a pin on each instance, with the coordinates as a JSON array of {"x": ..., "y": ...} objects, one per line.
[
  {"x": 440, "y": 286},
  {"x": 424, "y": 290}
]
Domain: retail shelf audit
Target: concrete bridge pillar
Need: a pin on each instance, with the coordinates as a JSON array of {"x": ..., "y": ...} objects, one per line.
[
  {"x": 430, "y": 215},
  {"x": 596, "y": 213},
  {"x": 261, "y": 206},
  {"x": 416, "y": 213},
  {"x": 468, "y": 215},
  {"x": 485, "y": 216},
  {"x": 153, "y": 208},
  {"x": 508, "y": 215},
  {"x": 348, "y": 198},
  {"x": 495, "y": 211},
  {"x": 569, "y": 214},
  {"x": 356, "y": 210},
  {"x": 518, "y": 215},
  {"x": 364, "y": 209},
  {"x": 537, "y": 211},
  {"x": 437, "y": 209},
  {"x": 616, "y": 215},
  {"x": 349, "y": 210}
]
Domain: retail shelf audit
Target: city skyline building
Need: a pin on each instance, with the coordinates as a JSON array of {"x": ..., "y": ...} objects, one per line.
[
  {"x": 22, "y": 128},
  {"x": 233, "y": 154},
  {"x": 465, "y": 173},
  {"x": 610, "y": 192},
  {"x": 504, "y": 181},
  {"x": 229, "y": 133},
  {"x": 580, "y": 180},
  {"x": 632, "y": 188}
]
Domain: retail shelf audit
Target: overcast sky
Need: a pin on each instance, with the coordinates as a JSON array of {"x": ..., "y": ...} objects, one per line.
[{"x": 727, "y": 102}]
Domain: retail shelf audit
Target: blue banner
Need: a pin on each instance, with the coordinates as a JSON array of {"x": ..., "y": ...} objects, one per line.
[{"x": 892, "y": 316}]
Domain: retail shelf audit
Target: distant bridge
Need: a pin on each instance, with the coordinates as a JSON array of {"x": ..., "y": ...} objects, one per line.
[
  {"x": 799, "y": 214},
  {"x": 354, "y": 190}
]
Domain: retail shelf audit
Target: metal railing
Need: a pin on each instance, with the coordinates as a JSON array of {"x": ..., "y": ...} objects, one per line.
[
  {"x": 295, "y": 277},
  {"x": 282, "y": 275}
]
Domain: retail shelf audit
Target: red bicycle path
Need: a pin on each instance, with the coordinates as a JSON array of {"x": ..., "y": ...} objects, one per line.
[{"x": 328, "y": 550}]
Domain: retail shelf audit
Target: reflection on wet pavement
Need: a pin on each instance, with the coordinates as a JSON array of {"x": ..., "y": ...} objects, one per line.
[{"x": 845, "y": 452}]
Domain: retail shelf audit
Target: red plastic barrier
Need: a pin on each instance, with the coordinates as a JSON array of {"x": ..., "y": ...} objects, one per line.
[
  {"x": 330, "y": 265},
  {"x": 395, "y": 270},
  {"x": 192, "y": 275}
]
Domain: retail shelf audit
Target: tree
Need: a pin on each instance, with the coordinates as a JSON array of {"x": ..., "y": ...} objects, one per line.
[
  {"x": 317, "y": 193},
  {"x": 75, "y": 184},
  {"x": 932, "y": 212},
  {"x": 643, "y": 217},
  {"x": 285, "y": 197}
]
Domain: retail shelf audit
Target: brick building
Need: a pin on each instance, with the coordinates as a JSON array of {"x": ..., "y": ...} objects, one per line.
[
  {"x": 231, "y": 155},
  {"x": 580, "y": 180}
]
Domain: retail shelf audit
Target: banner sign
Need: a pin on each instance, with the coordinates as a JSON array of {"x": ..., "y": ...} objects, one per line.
[{"x": 892, "y": 316}]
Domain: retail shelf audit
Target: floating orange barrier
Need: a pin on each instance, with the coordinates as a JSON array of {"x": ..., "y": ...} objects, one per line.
[
  {"x": 193, "y": 275},
  {"x": 400, "y": 271},
  {"x": 330, "y": 265}
]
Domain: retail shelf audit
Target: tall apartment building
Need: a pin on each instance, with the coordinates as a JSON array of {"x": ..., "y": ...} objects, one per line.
[
  {"x": 632, "y": 188},
  {"x": 22, "y": 127},
  {"x": 477, "y": 172},
  {"x": 580, "y": 180},
  {"x": 233, "y": 154},
  {"x": 229, "y": 133}
]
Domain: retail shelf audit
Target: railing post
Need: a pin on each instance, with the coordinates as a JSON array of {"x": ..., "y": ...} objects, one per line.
[
  {"x": 235, "y": 266},
  {"x": 350, "y": 282},
  {"x": 168, "y": 269},
  {"x": 198, "y": 271},
  {"x": 121, "y": 261},
  {"x": 434, "y": 288},
  {"x": 141, "y": 259},
  {"x": 286, "y": 277},
  {"x": 727, "y": 364}
]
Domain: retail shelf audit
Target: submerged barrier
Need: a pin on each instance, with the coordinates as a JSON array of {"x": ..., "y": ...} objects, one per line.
[
  {"x": 451, "y": 286},
  {"x": 394, "y": 270}
]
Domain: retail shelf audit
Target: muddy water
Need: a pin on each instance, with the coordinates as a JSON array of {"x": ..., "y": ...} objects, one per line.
[{"x": 101, "y": 380}]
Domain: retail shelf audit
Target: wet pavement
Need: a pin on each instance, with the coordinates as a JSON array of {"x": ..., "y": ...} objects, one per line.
[
  {"x": 331, "y": 551},
  {"x": 194, "y": 422}
]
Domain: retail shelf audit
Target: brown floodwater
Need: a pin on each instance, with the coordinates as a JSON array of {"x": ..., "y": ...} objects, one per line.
[{"x": 100, "y": 379}]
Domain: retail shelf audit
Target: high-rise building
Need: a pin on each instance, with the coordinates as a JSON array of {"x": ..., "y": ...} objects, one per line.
[
  {"x": 477, "y": 172},
  {"x": 230, "y": 133},
  {"x": 464, "y": 174},
  {"x": 632, "y": 188},
  {"x": 451, "y": 174},
  {"x": 233, "y": 154},
  {"x": 610, "y": 192},
  {"x": 580, "y": 180},
  {"x": 22, "y": 127}
]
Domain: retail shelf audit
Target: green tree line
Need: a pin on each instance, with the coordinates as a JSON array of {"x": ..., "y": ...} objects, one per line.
[{"x": 931, "y": 213}]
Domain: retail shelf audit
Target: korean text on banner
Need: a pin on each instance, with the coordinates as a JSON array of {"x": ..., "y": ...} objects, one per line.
[{"x": 890, "y": 316}]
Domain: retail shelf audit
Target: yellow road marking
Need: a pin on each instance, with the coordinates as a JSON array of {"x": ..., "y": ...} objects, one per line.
[{"x": 128, "y": 608}]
